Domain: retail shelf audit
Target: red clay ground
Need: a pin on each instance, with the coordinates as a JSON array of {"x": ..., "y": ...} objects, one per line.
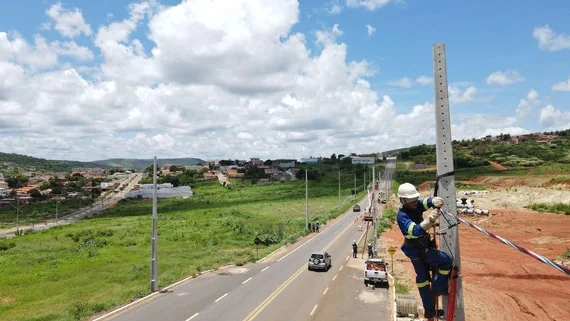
[
  {"x": 500, "y": 283},
  {"x": 498, "y": 166}
]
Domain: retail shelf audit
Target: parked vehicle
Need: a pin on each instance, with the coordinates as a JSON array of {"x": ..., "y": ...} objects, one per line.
[
  {"x": 320, "y": 260},
  {"x": 375, "y": 273},
  {"x": 356, "y": 208}
]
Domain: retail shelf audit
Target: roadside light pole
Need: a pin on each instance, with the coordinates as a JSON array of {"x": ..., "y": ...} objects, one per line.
[
  {"x": 339, "y": 211},
  {"x": 306, "y": 201},
  {"x": 154, "y": 277},
  {"x": 354, "y": 193},
  {"x": 18, "y": 216}
]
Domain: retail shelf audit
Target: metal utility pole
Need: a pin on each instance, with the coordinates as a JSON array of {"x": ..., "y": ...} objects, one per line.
[
  {"x": 339, "y": 211},
  {"x": 449, "y": 242},
  {"x": 306, "y": 201},
  {"x": 153, "y": 261},
  {"x": 17, "y": 216},
  {"x": 374, "y": 211},
  {"x": 354, "y": 186}
]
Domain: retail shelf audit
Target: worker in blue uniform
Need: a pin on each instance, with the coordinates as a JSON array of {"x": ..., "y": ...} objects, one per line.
[{"x": 418, "y": 244}]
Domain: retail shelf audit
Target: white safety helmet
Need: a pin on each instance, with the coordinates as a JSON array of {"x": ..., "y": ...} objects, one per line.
[{"x": 408, "y": 193}]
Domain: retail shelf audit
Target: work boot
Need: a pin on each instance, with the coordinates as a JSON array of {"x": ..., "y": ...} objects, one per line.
[{"x": 432, "y": 313}]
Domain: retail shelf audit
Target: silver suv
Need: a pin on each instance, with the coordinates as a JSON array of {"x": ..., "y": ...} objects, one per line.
[
  {"x": 320, "y": 260},
  {"x": 375, "y": 273}
]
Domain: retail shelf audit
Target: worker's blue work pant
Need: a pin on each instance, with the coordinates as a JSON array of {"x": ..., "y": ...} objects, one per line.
[{"x": 443, "y": 262}]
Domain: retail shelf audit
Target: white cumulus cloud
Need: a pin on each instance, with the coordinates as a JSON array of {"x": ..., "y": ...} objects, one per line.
[
  {"x": 552, "y": 118},
  {"x": 525, "y": 105},
  {"x": 209, "y": 79},
  {"x": 459, "y": 96},
  {"x": 404, "y": 82},
  {"x": 368, "y": 4},
  {"x": 562, "y": 86},
  {"x": 550, "y": 41},
  {"x": 504, "y": 78},
  {"x": 424, "y": 80},
  {"x": 68, "y": 23},
  {"x": 370, "y": 30}
]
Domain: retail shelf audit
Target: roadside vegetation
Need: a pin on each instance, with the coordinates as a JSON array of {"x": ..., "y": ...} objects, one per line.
[
  {"x": 71, "y": 272},
  {"x": 104, "y": 261},
  {"x": 557, "y": 208}
]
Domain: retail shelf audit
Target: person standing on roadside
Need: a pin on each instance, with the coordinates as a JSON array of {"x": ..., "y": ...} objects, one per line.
[{"x": 354, "y": 249}]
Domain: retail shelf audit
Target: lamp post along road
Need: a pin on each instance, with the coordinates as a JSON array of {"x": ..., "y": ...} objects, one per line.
[
  {"x": 339, "y": 211},
  {"x": 306, "y": 201},
  {"x": 154, "y": 272}
]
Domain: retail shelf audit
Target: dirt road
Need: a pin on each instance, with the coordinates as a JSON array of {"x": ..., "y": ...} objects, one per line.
[{"x": 499, "y": 282}]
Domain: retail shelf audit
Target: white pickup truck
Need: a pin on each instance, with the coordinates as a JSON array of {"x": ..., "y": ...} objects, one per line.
[{"x": 375, "y": 272}]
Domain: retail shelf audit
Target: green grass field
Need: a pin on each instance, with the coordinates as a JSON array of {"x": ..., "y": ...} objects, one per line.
[{"x": 71, "y": 272}]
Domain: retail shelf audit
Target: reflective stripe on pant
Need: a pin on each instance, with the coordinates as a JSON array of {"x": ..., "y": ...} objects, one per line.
[{"x": 433, "y": 257}]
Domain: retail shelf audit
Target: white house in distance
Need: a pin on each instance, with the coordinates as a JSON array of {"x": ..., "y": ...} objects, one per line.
[
  {"x": 309, "y": 160},
  {"x": 363, "y": 160},
  {"x": 165, "y": 190}
]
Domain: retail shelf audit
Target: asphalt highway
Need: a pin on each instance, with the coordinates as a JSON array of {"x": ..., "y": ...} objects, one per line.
[{"x": 280, "y": 288}]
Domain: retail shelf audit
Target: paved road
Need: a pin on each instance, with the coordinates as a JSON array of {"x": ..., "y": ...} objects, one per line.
[
  {"x": 280, "y": 288},
  {"x": 96, "y": 208}
]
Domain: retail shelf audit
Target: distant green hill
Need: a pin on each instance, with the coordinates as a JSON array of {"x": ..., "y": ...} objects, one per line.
[
  {"x": 13, "y": 163},
  {"x": 10, "y": 163},
  {"x": 144, "y": 163}
]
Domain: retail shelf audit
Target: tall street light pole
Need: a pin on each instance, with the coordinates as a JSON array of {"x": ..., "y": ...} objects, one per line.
[
  {"x": 154, "y": 272},
  {"x": 339, "y": 193},
  {"x": 306, "y": 201},
  {"x": 354, "y": 186},
  {"x": 18, "y": 216}
]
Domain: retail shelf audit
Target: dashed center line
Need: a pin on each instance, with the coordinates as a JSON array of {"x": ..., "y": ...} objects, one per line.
[
  {"x": 340, "y": 269},
  {"x": 192, "y": 317},
  {"x": 218, "y": 299},
  {"x": 314, "y": 309},
  {"x": 325, "y": 291},
  {"x": 347, "y": 258},
  {"x": 334, "y": 277},
  {"x": 244, "y": 282},
  {"x": 265, "y": 268}
]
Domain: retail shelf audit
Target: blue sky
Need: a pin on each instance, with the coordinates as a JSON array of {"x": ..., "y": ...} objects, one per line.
[{"x": 278, "y": 79}]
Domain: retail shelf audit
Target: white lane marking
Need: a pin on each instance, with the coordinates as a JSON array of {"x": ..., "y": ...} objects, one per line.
[
  {"x": 265, "y": 268},
  {"x": 286, "y": 255},
  {"x": 192, "y": 317},
  {"x": 244, "y": 282},
  {"x": 218, "y": 299},
  {"x": 340, "y": 269},
  {"x": 326, "y": 290},
  {"x": 334, "y": 277},
  {"x": 347, "y": 258},
  {"x": 314, "y": 309}
]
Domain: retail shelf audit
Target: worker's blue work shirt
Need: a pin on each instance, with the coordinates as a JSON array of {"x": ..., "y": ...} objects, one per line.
[{"x": 409, "y": 222}]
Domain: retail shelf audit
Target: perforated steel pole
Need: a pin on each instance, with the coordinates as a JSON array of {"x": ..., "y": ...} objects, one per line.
[{"x": 448, "y": 242}]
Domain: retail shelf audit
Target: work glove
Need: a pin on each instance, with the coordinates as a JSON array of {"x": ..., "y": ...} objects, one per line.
[
  {"x": 437, "y": 201},
  {"x": 429, "y": 221},
  {"x": 434, "y": 215}
]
